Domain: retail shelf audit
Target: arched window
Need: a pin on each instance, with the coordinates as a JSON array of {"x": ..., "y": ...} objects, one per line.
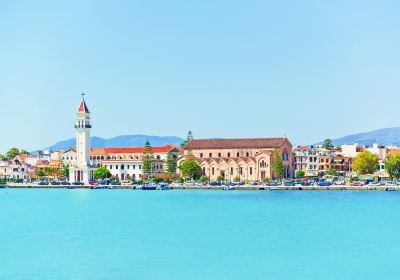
[
  {"x": 251, "y": 170},
  {"x": 247, "y": 154},
  {"x": 158, "y": 157},
  {"x": 219, "y": 154},
  {"x": 122, "y": 166},
  {"x": 201, "y": 155},
  {"x": 213, "y": 171}
]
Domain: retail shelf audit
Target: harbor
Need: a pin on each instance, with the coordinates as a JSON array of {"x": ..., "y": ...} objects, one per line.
[{"x": 208, "y": 187}]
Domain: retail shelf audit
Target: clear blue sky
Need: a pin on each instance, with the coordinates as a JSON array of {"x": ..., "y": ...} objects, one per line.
[{"x": 307, "y": 69}]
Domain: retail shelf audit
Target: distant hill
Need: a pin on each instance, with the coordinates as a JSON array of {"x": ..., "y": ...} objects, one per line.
[
  {"x": 384, "y": 137},
  {"x": 120, "y": 142}
]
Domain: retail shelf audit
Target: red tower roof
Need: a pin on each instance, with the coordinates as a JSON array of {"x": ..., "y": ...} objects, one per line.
[{"x": 83, "y": 108}]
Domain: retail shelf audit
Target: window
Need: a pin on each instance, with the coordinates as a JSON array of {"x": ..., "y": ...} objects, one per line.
[
  {"x": 231, "y": 170},
  {"x": 229, "y": 154},
  {"x": 201, "y": 155},
  {"x": 212, "y": 170},
  {"x": 127, "y": 167},
  {"x": 110, "y": 166},
  {"x": 237, "y": 155},
  {"x": 210, "y": 155},
  {"x": 247, "y": 154},
  {"x": 140, "y": 167},
  {"x": 116, "y": 167},
  {"x": 219, "y": 154},
  {"x": 251, "y": 170},
  {"x": 158, "y": 157}
]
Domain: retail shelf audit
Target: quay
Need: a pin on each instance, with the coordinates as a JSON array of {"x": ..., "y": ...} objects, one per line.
[{"x": 239, "y": 188}]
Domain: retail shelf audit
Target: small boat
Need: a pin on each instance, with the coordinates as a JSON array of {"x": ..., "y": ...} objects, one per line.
[
  {"x": 390, "y": 189},
  {"x": 273, "y": 189},
  {"x": 110, "y": 187},
  {"x": 3, "y": 186}
]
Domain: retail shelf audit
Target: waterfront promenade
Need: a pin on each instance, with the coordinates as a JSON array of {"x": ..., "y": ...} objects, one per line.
[{"x": 243, "y": 187}]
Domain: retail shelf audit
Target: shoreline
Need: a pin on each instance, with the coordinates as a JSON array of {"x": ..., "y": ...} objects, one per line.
[{"x": 239, "y": 188}]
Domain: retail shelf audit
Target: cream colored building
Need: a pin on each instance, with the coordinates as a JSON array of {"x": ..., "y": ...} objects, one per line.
[{"x": 247, "y": 159}]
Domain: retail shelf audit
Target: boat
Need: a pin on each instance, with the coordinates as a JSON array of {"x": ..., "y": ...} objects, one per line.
[
  {"x": 390, "y": 189},
  {"x": 3, "y": 186}
]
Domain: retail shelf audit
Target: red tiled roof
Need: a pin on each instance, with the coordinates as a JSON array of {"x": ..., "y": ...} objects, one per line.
[
  {"x": 303, "y": 148},
  {"x": 22, "y": 157},
  {"x": 83, "y": 108},
  {"x": 252, "y": 143},
  {"x": 137, "y": 150}
]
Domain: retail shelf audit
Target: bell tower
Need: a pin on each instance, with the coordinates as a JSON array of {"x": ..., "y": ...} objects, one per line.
[
  {"x": 83, "y": 127},
  {"x": 82, "y": 171}
]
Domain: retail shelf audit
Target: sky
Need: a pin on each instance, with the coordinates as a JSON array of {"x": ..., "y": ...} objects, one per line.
[{"x": 308, "y": 70}]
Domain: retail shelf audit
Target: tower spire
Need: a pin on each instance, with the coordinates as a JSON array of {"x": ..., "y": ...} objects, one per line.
[{"x": 83, "y": 107}]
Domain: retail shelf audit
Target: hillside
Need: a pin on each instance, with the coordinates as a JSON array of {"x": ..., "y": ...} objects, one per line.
[{"x": 384, "y": 137}]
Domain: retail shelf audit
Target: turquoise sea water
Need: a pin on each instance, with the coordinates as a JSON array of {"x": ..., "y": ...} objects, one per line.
[{"x": 127, "y": 234}]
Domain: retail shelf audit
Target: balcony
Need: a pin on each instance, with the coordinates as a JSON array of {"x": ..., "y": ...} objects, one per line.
[{"x": 83, "y": 126}]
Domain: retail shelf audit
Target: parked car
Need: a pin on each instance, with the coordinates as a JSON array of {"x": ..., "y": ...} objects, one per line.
[
  {"x": 93, "y": 183},
  {"x": 77, "y": 183},
  {"x": 65, "y": 183},
  {"x": 324, "y": 184},
  {"x": 55, "y": 183},
  {"x": 306, "y": 183},
  {"x": 43, "y": 183},
  {"x": 340, "y": 183},
  {"x": 115, "y": 183},
  {"x": 176, "y": 185},
  {"x": 289, "y": 184},
  {"x": 215, "y": 183},
  {"x": 357, "y": 184}
]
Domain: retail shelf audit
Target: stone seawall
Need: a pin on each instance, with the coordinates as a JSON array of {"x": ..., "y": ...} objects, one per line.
[{"x": 188, "y": 187}]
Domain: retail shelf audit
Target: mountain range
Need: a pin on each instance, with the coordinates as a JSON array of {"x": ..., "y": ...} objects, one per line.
[
  {"x": 383, "y": 137},
  {"x": 120, "y": 142}
]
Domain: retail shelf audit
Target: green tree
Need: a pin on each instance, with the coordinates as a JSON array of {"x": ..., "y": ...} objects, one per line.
[
  {"x": 328, "y": 144},
  {"x": 171, "y": 164},
  {"x": 220, "y": 178},
  {"x": 266, "y": 180},
  {"x": 365, "y": 163},
  {"x": 40, "y": 173},
  {"x": 190, "y": 168},
  {"x": 1, "y": 156},
  {"x": 12, "y": 153},
  {"x": 204, "y": 179},
  {"x": 300, "y": 174},
  {"x": 148, "y": 159},
  {"x": 279, "y": 167},
  {"x": 392, "y": 166},
  {"x": 102, "y": 173},
  {"x": 332, "y": 172},
  {"x": 65, "y": 171},
  {"x": 189, "y": 138}
]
